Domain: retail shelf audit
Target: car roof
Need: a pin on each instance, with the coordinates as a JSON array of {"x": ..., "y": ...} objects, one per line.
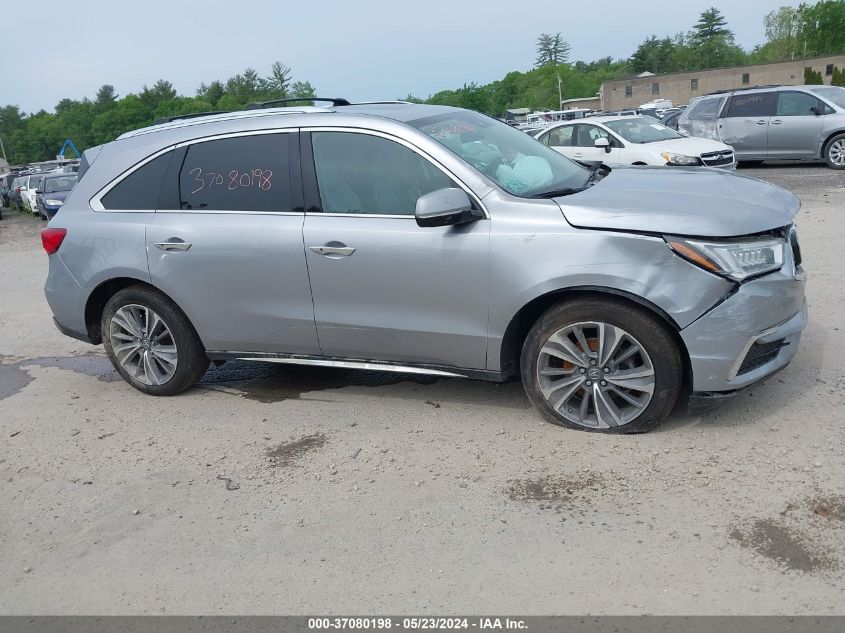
[
  {"x": 601, "y": 119},
  {"x": 397, "y": 110}
]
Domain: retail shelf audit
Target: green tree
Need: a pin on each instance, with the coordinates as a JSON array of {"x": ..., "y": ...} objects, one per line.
[
  {"x": 106, "y": 97},
  {"x": 279, "y": 81},
  {"x": 821, "y": 27},
  {"x": 711, "y": 24},
  {"x": 781, "y": 34},
  {"x": 838, "y": 78},
  {"x": 551, "y": 50},
  {"x": 812, "y": 77},
  {"x": 211, "y": 93},
  {"x": 162, "y": 90}
]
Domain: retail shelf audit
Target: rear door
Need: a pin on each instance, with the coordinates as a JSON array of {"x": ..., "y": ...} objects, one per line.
[
  {"x": 745, "y": 123},
  {"x": 796, "y": 127},
  {"x": 560, "y": 139},
  {"x": 226, "y": 243}
]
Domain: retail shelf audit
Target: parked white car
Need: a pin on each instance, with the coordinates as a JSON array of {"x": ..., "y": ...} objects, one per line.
[
  {"x": 28, "y": 192},
  {"x": 634, "y": 140}
]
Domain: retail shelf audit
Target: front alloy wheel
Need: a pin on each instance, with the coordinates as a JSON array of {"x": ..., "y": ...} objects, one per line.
[
  {"x": 595, "y": 375},
  {"x": 601, "y": 364}
]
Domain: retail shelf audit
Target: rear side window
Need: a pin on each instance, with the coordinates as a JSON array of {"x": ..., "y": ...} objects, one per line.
[
  {"x": 751, "y": 105},
  {"x": 245, "y": 173},
  {"x": 798, "y": 104},
  {"x": 139, "y": 191}
]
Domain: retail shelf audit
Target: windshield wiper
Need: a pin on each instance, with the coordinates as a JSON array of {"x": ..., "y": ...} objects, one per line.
[{"x": 554, "y": 193}]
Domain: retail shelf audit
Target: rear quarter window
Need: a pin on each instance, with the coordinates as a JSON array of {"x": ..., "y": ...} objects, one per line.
[{"x": 139, "y": 191}]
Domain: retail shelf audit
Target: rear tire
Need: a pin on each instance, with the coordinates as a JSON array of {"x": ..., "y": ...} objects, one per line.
[
  {"x": 629, "y": 379},
  {"x": 834, "y": 152},
  {"x": 151, "y": 343}
]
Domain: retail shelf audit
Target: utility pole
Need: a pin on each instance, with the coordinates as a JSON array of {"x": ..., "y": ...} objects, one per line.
[
  {"x": 4, "y": 149},
  {"x": 559, "y": 93}
]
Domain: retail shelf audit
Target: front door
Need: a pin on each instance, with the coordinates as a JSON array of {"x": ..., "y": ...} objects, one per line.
[
  {"x": 796, "y": 127},
  {"x": 226, "y": 244},
  {"x": 745, "y": 125},
  {"x": 383, "y": 287},
  {"x": 584, "y": 142}
]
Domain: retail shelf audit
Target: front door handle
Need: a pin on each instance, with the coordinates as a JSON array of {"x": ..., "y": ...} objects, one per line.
[
  {"x": 333, "y": 250},
  {"x": 173, "y": 244},
  {"x": 777, "y": 122}
]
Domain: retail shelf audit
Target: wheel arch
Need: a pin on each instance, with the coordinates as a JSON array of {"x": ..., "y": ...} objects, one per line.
[
  {"x": 524, "y": 319},
  {"x": 827, "y": 141},
  {"x": 101, "y": 294}
]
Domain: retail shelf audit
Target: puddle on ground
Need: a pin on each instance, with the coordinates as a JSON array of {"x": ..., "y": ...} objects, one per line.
[
  {"x": 779, "y": 543},
  {"x": 274, "y": 382},
  {"x": 554, "y": 489},
  {"x": 287, "y": 453},
  {"x": 14, "y": 377}
]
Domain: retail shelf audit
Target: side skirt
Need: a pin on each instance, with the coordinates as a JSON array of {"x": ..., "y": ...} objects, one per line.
[{"x": 443, "y": 371}]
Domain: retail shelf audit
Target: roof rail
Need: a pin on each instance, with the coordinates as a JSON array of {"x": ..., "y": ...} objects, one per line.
[
  {"x": 192, "y": 115},
  {"x": 336, "y": 102},
  {"x": 726, "y": 91}
]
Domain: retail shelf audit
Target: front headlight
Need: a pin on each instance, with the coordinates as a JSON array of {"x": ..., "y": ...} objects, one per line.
[
  {"x": 53, "y": 203},
  {"x": 737, "y": 259},
  {"x": 680, "y": 159}
]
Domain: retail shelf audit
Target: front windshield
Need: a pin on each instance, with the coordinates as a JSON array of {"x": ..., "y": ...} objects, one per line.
[
  {"x": 833, "y": 94},
  {"x": 517, "y": 162},
  {"x": 642, "y": 130},
  {"x": 60, "y": 183}
]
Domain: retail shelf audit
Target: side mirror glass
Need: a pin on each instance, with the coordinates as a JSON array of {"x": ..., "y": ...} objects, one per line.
[{"x": 445, "y": 207}]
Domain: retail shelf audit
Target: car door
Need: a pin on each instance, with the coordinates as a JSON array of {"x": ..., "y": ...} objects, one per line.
[
  {"x": 385, "y": 288},
  {"x": 745, "y": 123},
  {"x": 796, "y": 127},
  {"x": 225, "y": 243}
]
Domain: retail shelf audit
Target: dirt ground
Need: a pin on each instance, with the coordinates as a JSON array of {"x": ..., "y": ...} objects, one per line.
[{"x": 295, "y": 490}]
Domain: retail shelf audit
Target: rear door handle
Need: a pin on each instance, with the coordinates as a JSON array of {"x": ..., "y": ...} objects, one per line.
[
  {"x": 333, "y": 250},
  {"x": 173, "y": 244},
  {"x": 762, "y": 122}
]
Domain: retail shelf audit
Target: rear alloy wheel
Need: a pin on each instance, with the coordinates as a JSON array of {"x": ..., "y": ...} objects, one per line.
[
  {"x": 834, "y": 153},
  {"x": 151, "y": 343},
  {"x": 601, "y": 366}
]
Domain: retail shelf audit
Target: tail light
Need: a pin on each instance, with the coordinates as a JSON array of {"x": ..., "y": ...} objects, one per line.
[{"x": 51, "y": 239}]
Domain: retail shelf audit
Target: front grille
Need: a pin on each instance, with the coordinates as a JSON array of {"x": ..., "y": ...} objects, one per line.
[
  {"x": 718, "y": 159},
  {"x": 758, "y": 355}
]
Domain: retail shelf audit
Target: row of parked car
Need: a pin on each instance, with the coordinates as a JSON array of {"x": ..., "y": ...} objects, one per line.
[
  {"x": 718, "y": 130},
  {"x": 40, "y": 193}
]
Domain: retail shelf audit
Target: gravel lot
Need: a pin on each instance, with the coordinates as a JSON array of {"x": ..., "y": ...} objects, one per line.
[{"x": 292, "y": 490}]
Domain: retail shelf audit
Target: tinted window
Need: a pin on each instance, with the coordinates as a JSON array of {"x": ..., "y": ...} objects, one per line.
[
  {"x": 246, "y": 173},
  {"x": 832, "y": 93},
  {"x": 359, "y": 173},
  {"x": 140, "y": 189},
  {"x": 757, "y": 104},
  {"x": 797, "y": 104}
]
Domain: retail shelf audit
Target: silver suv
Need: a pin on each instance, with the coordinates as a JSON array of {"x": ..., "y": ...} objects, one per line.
[
  {"x": 425, "y": 239},
  {"x": 773, "y": 123}
]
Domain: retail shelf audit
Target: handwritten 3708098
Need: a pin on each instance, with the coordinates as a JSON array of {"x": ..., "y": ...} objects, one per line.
[{"x": 258, "y": 178}]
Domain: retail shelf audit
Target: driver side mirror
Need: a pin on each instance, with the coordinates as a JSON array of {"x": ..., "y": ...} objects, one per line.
[
  {"x": 445, "y": 207},
  {"x": 603, "y": 142}
]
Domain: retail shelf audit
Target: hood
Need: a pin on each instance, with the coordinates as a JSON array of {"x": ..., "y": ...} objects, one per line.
[
  {"x": 56, "y": 195},
  {"x": 690, "y": 146},
  {"x": 695, "y": 201}
]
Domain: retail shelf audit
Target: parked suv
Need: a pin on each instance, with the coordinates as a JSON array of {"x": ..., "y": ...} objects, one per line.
[
  {"x": 774, "y": 123},
  {"x": 425, "y": 239}
]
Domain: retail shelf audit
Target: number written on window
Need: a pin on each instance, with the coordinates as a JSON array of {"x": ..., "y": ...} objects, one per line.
[{"x": 245, "y": 173}]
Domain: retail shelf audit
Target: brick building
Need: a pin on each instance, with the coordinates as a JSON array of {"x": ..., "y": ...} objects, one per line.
[{"x": 681, "y": 87}]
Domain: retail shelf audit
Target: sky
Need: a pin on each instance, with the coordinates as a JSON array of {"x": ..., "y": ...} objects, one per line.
[{"x": 364, "y": 50}]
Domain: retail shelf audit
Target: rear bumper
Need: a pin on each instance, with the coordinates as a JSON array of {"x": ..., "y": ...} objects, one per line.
[
  {"x": 66, "y": 299},
  {"x": 749, "y": 336}
]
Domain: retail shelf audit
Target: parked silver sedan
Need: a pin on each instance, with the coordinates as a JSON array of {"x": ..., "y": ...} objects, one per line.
[{"x": 425, "y": 239}]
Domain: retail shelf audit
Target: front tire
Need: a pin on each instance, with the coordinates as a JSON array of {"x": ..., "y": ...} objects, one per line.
[
  {"x": 834, "y": 152},
  {"x": 151, "y": 343},
  {"x": 601, "y": 365}
]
